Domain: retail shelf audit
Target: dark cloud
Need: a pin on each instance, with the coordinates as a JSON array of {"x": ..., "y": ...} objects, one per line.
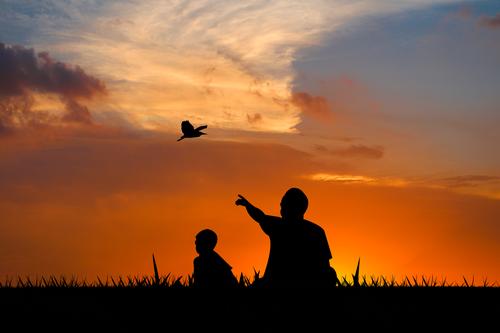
[
  {"x": 354, "y": 151},
  {"x": 490, "y": 22},
  {"x": 77, "y": 113},
  {"x": 25, "y": 73},
  {"x": 468, "y": 180},
  {"x": 313, "y": 106}
]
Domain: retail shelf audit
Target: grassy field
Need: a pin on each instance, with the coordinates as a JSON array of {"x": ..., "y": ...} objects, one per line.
[
  {"x": 180, "y": 282},
  {"x": 139, "y": 304}
]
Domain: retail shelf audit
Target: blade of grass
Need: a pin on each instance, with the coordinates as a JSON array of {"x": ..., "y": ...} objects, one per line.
[
  {"x": 355, "y": 277},
  {"x": 157, "y": 276}
]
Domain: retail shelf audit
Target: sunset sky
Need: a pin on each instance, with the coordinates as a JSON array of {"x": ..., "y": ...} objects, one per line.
[{"x": 385, "y": 113}]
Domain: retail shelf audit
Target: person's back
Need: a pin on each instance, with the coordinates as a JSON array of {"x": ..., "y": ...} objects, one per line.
[
  {"x": 299, "y": 255},
  {"x": 210, "y": 269}
]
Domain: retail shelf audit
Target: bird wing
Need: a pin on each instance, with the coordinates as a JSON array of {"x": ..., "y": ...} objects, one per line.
[
  {"x": 201, "y": 128},
  {"x": 187, "y": 127}
]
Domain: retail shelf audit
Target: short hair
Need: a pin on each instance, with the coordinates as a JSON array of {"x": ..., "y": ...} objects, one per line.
[
  {"x": 207, "y": 237},
  {"x": 297, "y": 200}
]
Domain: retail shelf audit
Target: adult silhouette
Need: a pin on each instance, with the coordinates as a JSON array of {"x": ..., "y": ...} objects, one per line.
[
  {"x": 299, "y": 254},
  {"x": 210, "y": 269}
]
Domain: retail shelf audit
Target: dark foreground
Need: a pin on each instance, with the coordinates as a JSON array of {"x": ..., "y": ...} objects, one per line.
[{"x": 169, "y": 309}]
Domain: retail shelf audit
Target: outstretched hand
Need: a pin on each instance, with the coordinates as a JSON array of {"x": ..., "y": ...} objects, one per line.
[{"x": 241, "y": 201}]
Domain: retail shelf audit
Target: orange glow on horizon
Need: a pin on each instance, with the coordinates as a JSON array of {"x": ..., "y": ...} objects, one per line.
[{"x": 102, "y": 207}]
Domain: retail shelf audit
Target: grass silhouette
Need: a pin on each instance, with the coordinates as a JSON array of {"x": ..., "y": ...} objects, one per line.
[
  {"x": 143, "y": 303},
  {"x": 172, "y": 281}
]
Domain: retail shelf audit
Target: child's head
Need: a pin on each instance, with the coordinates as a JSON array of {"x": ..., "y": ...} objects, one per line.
[
  {"x": 294, "y": 204},
  {"x": 205, "y": 241}
]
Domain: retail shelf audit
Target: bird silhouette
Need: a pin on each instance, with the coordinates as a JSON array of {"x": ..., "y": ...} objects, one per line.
[{"x": 188, "y": 131}]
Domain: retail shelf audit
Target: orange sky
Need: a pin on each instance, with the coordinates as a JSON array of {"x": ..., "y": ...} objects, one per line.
[
  {"x": 97, "y": 202},
  {"x": 384, "y": 112}
]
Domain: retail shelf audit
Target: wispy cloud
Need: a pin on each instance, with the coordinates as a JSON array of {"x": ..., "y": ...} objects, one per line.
[
  {"x": 359, "y": 179},
  {"x": 479, "y": 185},
  {"x": 342, "y": 178},
  {"x": 166, "y": 61},
  {"x": 468, "y": 180}
]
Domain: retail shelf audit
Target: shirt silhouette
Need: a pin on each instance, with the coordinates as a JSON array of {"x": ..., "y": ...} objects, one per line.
[
  {"x": 299, "y": 253},
  {"x": 210, "y": 269}
]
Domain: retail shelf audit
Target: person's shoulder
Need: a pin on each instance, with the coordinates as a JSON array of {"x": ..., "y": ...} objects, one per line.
[
  {"x": 313, "y": 226},
  {"x": 221, "y": 262}
]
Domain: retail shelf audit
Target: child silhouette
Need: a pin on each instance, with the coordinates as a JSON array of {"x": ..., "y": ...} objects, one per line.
[{"x": 210, "y": 269}]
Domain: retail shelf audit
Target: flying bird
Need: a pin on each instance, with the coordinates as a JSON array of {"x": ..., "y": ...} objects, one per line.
[{"x": 188, "y": 131}]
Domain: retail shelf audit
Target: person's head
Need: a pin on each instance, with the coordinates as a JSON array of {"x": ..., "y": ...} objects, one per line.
[
  {"x": 294, "y": 204},
  {"x": 205, "y": 241}
]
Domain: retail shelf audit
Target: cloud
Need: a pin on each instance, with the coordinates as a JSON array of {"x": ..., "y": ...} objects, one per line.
[
  {"x": 475, "y": 185},
  {"x": 17, "y": 112},
  {"x": 77, "y": 113},
  {"x": 354, "y": 151},
  {"x": 342, "y": 178},
  {"x": 490, "y": 22},
  {"x": 359, "y": 179},
  {"x": 25, "y": 73},
  {"x": 468, "y": 180},
  {"x": 312, "y": 106},
  {"x": 156, "y": 55}
]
